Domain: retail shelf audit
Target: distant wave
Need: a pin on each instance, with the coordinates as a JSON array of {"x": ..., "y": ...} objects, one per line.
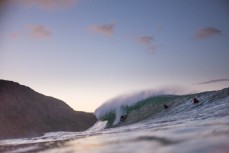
[{"x": 214, "y": 81}]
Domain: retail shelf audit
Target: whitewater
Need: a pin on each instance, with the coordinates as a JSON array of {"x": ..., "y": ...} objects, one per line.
[{"x": 140, "y": 123}]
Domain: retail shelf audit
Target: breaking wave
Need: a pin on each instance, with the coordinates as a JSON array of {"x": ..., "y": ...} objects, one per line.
[{"x": 129, "y": 109}]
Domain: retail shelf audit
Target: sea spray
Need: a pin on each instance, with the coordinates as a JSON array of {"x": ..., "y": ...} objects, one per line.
[{"x": 98, "y": 126}]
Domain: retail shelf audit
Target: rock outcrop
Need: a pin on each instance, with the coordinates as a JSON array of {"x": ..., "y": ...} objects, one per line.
[{"x": 27, "y": 113}]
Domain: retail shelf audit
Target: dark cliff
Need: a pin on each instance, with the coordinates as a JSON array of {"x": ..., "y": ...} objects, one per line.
[{"x": 27, "y": 113}]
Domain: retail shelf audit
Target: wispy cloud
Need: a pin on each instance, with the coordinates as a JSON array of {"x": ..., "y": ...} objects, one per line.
[
  {"x": 149, "y": 42},
  {"x": 207, "y": 32},
  {"x": 14, "y": 35},
  {"x": 152, "y": 48},
  {"x": 35, "y": 32},
  {"x": 145, "y": 39},
  {"x": 46, "y": 4},
  {"x": 39, "y": 31},
  {"x": 214, "y": 81},
  {"x": 105, "y": 29}
]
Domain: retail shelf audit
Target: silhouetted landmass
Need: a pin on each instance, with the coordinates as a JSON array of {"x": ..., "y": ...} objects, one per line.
[{"x": 27, "y": 113}]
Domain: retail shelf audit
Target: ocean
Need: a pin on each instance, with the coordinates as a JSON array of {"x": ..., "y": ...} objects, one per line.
[{"x": 140, "y": 123}]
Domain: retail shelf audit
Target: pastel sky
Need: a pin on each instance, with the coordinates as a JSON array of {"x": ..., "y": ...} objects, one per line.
[{"x": 86, "y": 52}]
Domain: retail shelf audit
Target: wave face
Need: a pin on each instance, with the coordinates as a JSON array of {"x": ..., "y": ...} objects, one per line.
[{"x": 130, "y": 109}]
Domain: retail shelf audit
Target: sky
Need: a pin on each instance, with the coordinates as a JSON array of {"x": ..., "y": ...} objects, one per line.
[{"x": 86, "y": 52}]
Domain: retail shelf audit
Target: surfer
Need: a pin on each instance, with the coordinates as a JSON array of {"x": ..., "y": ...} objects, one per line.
[
  {"x": 165, "y": 106},
  {"x": 123, "y": 118},
  {"x": 195, "y": 101}
]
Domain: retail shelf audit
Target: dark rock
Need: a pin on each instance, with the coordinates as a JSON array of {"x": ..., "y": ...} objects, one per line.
[{"x": 27, "y": 113}]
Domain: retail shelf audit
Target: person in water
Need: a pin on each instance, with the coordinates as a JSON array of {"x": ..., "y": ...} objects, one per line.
[
  {"x": 165, "y": 106},
  {"x": 123, "y": 118},
  {"x": 195, "y": 101}
]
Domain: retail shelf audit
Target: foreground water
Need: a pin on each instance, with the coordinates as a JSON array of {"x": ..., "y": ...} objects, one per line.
[{"x": 182, "y": 128}]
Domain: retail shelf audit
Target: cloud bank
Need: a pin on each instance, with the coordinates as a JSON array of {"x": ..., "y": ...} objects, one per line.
[
  {"x": 214, "y": 81},
  {"x": 105, "y": 29},
  {"x": 46, "y": 4},
  {"x": 207, "y": 32}
]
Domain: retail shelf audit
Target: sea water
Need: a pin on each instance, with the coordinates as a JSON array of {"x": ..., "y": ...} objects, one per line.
[{"x": 148, "y": 128}]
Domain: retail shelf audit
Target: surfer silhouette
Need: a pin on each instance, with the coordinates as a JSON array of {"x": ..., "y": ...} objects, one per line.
[
  {"x": 195, "y": 101},
  {"x": 123, "y": 118},
  {"x": 165, "y": 106}
]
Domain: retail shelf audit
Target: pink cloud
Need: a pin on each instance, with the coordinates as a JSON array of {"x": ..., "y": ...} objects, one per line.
[
  {"x": 39, "y": 31},
  {"x": 46, "y": 4},
  {"x": 207, "y": 32},
  {"x": 145, "y": 39},
  {"x": 148, "y": 42},
  {"x": 106, "y": 29},
  {"x": 14, "y": 35},
  {"x": 153, "y": 48}
]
